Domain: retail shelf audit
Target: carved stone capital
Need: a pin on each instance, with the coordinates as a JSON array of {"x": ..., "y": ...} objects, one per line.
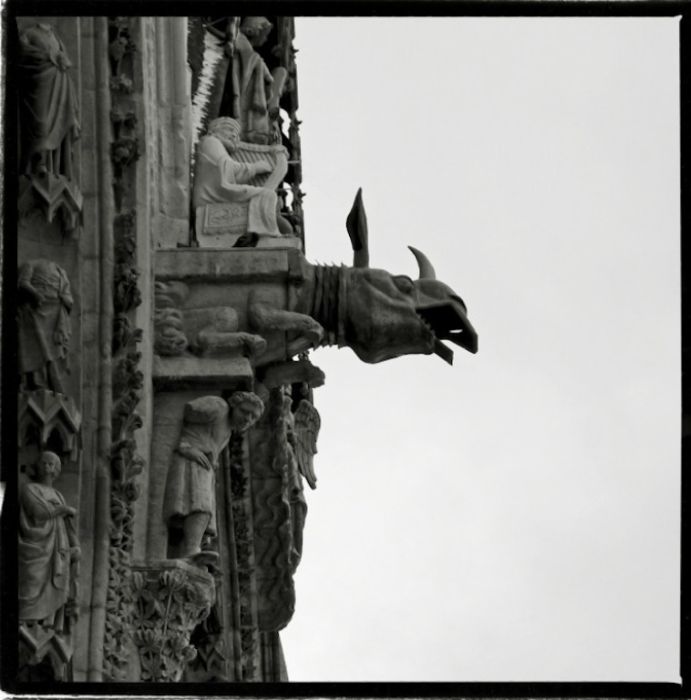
[{"x": 171, "y": 598}]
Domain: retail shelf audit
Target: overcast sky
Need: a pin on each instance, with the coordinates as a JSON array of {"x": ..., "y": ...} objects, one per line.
[{"x": 515, "y": 516}]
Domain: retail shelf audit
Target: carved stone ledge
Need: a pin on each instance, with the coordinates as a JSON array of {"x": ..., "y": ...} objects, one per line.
[
  {"x": 171, "y": 597},
  {"x": 192, "y": 372},
  {"x": 234, "y": 265},
  {"x": 222, "y": 225}
]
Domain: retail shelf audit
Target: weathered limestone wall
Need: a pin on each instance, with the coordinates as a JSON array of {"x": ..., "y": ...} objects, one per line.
[
  {"x": 81, "y": 255},
  {"x": 39, "y": 239},
  {"x": 166, "y": 109},
  {"x": 132, "y": 166},
  {"x": 95, "y": 350}
]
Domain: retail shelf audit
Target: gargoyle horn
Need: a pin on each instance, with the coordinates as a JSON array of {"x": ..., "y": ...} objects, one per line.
[
  {"x": 356, "y": 224},
  {"x": 426, "y": 270}
]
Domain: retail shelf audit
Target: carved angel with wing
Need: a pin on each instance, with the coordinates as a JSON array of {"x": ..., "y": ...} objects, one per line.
[
  {"x": 302, "y": 428},
  {"x": 306, "y": 425}
]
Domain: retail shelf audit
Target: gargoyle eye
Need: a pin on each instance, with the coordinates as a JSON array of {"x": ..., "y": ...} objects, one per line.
[{"x": 404, "y": 284}]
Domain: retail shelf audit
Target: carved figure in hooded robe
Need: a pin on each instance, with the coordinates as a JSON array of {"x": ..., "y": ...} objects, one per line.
[
  {"x": 190, "y": 503},
  {"x": 48, "y": 549},
  {"x": 256, "y": 89},
  {"x": 45, "y": 301},
  {"x": 48, "y": 104}
]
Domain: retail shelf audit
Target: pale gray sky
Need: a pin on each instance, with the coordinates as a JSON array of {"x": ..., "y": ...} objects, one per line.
[{"x": 515, "y": 516}]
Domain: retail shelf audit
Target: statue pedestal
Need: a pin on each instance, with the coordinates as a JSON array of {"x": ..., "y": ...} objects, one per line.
[
  {"x": 221, "y": 225},
  {"x": 41, "y": 649},
  {"x": 41, "y": 413},
  {"x": 171, "y": 597},
  {"x": 51, "y": 194}
]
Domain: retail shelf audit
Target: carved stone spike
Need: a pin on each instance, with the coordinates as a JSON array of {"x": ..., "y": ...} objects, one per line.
[
  {"x": 45, "y": 301},
  {"x": 170, "y": 599},
  {"x": 48, "y": 566}
]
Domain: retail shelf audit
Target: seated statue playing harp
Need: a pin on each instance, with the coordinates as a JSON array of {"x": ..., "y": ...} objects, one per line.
[{"x": 245, "y": 175}]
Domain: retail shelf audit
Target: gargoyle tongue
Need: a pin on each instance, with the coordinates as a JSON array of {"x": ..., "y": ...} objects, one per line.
[{"x": 445, "y": 353}]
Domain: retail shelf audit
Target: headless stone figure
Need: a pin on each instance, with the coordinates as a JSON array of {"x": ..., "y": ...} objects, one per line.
[{"x": 190, "y": 504}]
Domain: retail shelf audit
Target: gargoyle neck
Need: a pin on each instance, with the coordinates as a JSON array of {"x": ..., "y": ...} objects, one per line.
[{"x": 328, "y": 305}]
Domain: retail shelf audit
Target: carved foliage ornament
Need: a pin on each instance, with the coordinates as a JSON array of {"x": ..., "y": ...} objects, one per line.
[
  {"x": 127, "y": 380},
  {"x": 169, "y": 604},
  {"x": 243, "y": 541}
]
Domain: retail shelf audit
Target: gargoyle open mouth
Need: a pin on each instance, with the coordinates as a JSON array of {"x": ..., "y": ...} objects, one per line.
[
  {"x": 447, "y": 321},
  {"x": 447, "y": 318}
]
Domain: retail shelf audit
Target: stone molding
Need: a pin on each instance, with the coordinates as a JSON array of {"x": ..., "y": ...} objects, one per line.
[{"x": 127, "y": 378}]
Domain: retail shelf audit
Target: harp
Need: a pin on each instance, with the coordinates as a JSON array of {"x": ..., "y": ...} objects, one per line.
[
  {"x": 276, "y": 155},
  {"x": 220, "y": 225}
]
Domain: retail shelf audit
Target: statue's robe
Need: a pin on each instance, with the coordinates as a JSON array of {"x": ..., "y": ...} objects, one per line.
[
  {"x": 252, "y": 86},
  {"x": 218, "y": 178},
  {"x": 47, "y": 97},
  {"x": 44, "y": 331},
  {"x": 43, "y": 554},
  {"x": 190, "y": 487}
]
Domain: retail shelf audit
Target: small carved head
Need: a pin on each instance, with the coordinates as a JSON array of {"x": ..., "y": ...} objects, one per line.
[
  {"x": 227, "y": 130},
  {"x": 256, "y": 29},
  {"x": 47, "y": 468},
  {"x": 246, "y": 409}
]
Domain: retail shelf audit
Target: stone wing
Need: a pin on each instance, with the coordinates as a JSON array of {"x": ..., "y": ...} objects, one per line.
[{"x": 307, "y": 424}]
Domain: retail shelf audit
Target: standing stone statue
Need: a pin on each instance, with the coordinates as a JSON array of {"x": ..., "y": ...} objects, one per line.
[
  {"x": 220, "y": 178},
  {"x": 44, "y": 304},
  {"x": 190, "y": 504},
  {"x": 49, "y": 112},
  {"x": 256, "y": 90},
  {"x": 48, "y": 549}
]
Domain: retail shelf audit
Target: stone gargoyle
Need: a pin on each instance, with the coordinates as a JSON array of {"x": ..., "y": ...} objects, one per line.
[{"x": 377, "y": 314}]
